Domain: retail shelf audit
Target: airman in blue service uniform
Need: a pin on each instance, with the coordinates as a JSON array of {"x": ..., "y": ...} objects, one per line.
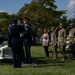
[
  {"x": 27, "y": 39},
  {"x": 14, "y": 41},
  {"x": 20, "y": 22}
]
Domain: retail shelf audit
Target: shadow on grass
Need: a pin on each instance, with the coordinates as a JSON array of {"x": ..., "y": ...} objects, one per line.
[{"x": 42, "y": 62}]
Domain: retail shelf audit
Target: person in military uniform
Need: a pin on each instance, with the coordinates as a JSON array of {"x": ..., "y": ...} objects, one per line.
[
  {"x": 14, "y": 41},
  {"x": 20, "y": 22},
  {"x": 61, "y": 41},
  {"x": 53, "y": 41},
  {"x": 27, "y": 39},
  {"x": 71, "y": 35}
]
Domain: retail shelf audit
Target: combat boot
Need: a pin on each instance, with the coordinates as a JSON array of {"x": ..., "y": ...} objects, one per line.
[
  {"x": 62, "y": 59},
  {"x": 54, "y": 57}
]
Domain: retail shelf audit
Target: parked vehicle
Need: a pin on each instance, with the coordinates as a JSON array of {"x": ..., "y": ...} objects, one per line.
[{"x": 5, "y": 52}]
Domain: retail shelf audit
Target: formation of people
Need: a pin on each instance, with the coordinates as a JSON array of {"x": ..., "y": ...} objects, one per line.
[
  {"x": 56, "y": 39},
  {"x": 19, "y": 33}
]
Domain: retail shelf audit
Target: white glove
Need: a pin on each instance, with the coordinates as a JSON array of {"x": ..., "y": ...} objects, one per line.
[{"x": 21, "y": 35}]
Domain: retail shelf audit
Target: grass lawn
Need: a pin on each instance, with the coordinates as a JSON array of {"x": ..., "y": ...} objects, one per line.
[{"x": 45, "y": 66}]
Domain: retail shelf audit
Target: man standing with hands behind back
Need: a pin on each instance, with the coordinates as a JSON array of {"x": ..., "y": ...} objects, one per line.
[{"x": 14, "y": 41}]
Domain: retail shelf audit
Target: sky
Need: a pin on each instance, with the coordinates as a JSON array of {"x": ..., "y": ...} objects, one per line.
[{"x": 13, "y": 6}]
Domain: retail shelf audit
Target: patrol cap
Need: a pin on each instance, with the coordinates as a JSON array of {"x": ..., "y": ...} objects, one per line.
[
  {"x": 53, "y": 27},
  {"x": 60, "y": 24},
  {"x": 71, "y": 24},
  {"x": 26, "y": 19}
]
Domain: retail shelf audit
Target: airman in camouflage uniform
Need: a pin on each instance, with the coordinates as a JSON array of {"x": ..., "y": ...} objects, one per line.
[
  {"x": 61, "y": 41},
  {"x": 71, "y": 35},
  {"x": 53, "y": 41}
]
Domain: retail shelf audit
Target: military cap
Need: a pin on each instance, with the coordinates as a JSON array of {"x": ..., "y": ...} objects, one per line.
[
  {"x": 71, "y": 24},
  {"x": 14, "y": 19},
  {"x": 53, "y": 27},
  {"x": 26, "y": 19},
  {"x": 61, "y": 24},
  {"x": 20, "y": 19}
]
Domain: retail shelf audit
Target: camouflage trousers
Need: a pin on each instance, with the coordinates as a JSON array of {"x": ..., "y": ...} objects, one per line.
[
  {"x": 54, "y": 49},
  {"x": 61, "y": 47}
]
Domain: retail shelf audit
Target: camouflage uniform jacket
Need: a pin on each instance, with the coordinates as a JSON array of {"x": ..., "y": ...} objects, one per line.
[
  {"x": 62, "y": 35},
  {"x": 72, "y": 35},
  {"x": 53, "y": 37}
]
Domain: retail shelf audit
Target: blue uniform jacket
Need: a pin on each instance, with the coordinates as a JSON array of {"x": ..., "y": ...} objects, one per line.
[
  {"x": 14, "y": 35},
  {"x": 27, "y": 33}
]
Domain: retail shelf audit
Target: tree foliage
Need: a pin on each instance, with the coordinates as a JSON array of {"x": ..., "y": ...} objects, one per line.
[{"x": 5, "y": 19}]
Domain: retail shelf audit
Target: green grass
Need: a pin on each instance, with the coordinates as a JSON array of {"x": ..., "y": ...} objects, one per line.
[{"x": 45, "y": 66}]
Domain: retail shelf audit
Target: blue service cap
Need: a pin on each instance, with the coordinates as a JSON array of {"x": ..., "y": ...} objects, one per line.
[
  {"x": 14, "y": 19},
  {"x": 20, "y": 19},
  {"x": 26, "y": 19}
]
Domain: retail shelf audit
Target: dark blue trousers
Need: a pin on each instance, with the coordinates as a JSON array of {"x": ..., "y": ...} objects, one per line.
[
  {"x": 22, "y": 53},
  {"x": 27, "y": 50},
  {"x": 16, "y": 54}
]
